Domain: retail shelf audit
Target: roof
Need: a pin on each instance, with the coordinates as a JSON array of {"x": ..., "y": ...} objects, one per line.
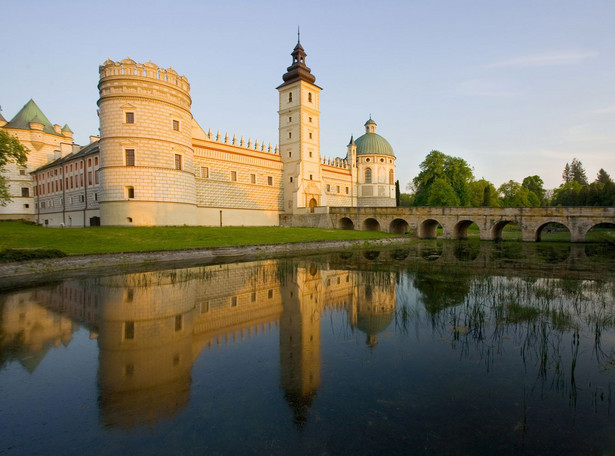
[
  {"x": 373, "y": 144},
  {"x": 31, "y": 113},
  {"x": 90, "y": 149}
]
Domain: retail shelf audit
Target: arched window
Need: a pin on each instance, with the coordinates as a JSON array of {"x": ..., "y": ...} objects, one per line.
[
  {"x": 309, "y": 97},
  {"x": 368, "y": 176},
  {"x": 290, "y": 97},
  {"x": 391, "y": 177}
]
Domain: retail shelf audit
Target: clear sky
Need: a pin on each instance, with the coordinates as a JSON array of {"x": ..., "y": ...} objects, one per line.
[{"x": 516, "y": 88}]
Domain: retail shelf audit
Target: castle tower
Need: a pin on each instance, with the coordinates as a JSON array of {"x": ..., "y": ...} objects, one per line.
[
  {"x": 147, "y": 166},
  {"x": 299, "y": 129}
]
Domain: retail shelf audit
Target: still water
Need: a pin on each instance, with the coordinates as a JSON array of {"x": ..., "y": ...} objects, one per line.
[{"x": 441, "y": 348}]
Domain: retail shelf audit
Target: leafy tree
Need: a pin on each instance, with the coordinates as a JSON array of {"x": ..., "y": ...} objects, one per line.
[
  {"x": 566, "y": 174},
  {"x": 516, "y": 195},
  {"x": 440, "y": 167},
  {"x": 11, "y": 151},
  {"x": 406, "y": 200},
  {"x": 568, "y": 194},
  {"x": 442, "y": 193},
  {"x": 535, "y": 185},
  {"x": 484, "y": 194}
]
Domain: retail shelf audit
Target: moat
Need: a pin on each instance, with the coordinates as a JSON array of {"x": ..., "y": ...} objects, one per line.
[{"x": 442, "y": 347}]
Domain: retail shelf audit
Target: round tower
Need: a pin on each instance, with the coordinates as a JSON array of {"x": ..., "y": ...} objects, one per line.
[{"x": 147, "y": 160}]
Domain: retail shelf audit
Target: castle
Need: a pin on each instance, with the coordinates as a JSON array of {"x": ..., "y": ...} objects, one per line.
[{"x": 154, "y": 165}]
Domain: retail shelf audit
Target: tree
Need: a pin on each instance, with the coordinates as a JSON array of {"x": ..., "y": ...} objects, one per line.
[
  {"x": 516, "y": 195},
  {"x": 535, "y": 185},
  {"x": 397, "y": 193},
  {"x": 484, "y": 194},
  {"x": 603, "y": 177},
  {"x": 568, "y": 194},
  {"x": 578, "y": 172},
  {"x": 566, "y": 174},
  {"x": 11, "y": 151},
  {"x": 442, "y": 194},
  {"x": 452, "y": 170}
]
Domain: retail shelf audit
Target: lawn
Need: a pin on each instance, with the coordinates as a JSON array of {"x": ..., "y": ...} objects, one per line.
[{"x": 104, "y": 239}]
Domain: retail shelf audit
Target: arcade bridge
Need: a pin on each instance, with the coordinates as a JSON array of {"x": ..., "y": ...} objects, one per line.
[{"x": 423, "y": 221}]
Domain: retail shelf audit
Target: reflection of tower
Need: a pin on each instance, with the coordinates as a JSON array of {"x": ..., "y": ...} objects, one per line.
[
  {"x": 375, "y": 304},
  {"x": 145, "y": 347},
  {"x": 300, "y": 340}
]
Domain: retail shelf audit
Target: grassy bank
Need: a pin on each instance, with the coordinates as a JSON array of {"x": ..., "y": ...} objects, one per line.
[{"x": 74, "y": 241}]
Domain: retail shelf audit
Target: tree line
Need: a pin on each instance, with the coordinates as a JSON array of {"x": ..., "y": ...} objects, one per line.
[{"x": 449, "y": 181}]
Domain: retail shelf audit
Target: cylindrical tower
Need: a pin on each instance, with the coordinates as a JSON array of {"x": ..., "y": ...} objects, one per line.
[{"x": 147, "y": 160}]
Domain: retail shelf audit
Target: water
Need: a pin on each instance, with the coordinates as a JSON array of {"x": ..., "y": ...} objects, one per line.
[{"x": 444, "y": 348}]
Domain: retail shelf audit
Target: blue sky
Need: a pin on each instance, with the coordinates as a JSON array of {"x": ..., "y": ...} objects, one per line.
[{"x": 516, "y": 88}]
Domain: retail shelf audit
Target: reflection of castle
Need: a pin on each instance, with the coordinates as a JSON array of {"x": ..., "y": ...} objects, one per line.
[
  {"x": 154, "y": 165},
  {"x": 152, "y": 326}
]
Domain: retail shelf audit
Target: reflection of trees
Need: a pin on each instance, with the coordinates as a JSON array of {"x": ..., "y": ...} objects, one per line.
[{"x": 439, "y": 290}]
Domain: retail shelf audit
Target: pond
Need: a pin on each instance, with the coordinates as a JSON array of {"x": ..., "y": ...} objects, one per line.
[{"x": 440, "y": 348}]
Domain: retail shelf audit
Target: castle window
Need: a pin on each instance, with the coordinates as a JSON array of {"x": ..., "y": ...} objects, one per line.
[
  {"x": 309, "y": 97},
  {"x": 25, "y": 192},
  {"x": 26, "y": 206},
  {"x": 176, "y": 125},
  {"x": 310, "y": 135},
  {"x": 328, "y": 187},
  {"x": 309, "y": 119},
  {"x": 310, "y": 177},
  {"x": 130, "y": 117},
  {"x": 96, "y": 177},
  {"x": 291, "y": 179},
  {"x": 346, "y": 190},
  {"x": 95, "y": 196},
  {"x": 82, "y": 198},
  {"x": 130, "y": 192},
  {"x": 290, "y": 97},
  {"x": 129, "y": 219},
  {"x": 233, "y": 301},
  {"x": 178, "y": 161},
  {"x": 338, "y": 189},
  {"x": 90, "y": 178},
  {"x": 367, "y": 159},
  {"x": 269, "y": 180},
  {"x": 310, "y": 153},
  {"x": 391, "y": 177},
  {"x": 253, "y": 178},
  {"x": 89, "y": 162},
  {"x": 130, "y": 157},
  {"x": 290, "y": 135},
  {"x": 204, "y": 172},
  {"x": 234, "y": 176},
  {"x": 290, "y": 119},
  {"x": 129, "y": 330},
  {"x": 22, "y": 172},
  {"x": 368, "y": 176},
  {"x": 95, "y": 161},
  {"x": 290, "y": 154}
]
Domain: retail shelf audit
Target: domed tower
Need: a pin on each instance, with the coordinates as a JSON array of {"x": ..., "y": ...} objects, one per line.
[
  {"x": 375, "y": 168},
  {"x": 147, "y": 166}
]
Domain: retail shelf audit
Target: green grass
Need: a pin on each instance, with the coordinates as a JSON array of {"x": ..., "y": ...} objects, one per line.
[{"x": 74, "y": 241}]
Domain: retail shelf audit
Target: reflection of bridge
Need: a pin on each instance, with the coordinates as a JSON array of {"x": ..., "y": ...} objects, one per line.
[{"x": 423, "y": 221}]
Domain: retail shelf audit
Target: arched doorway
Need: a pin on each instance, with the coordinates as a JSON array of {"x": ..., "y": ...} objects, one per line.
[{"x": 312, "y": 204}]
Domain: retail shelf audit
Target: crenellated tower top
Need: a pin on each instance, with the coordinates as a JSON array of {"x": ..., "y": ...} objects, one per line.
[{"x": 129, "y": 67}]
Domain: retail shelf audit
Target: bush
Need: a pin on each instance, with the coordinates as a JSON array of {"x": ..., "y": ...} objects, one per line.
[{"x": 7, "y": 255}]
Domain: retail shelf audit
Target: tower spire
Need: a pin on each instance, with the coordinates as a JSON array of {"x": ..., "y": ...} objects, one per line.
[{"x": 298, "y": 35}]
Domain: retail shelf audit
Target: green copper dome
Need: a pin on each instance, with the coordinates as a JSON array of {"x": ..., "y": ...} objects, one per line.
[{"x": 372, "y": 143}]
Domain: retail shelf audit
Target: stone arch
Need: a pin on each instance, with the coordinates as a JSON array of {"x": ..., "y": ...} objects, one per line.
[
  {"x": 399, "y": 226},
  {"x": 597, "y": 226},
  {"x": 371, "y": 254},
  {"x": 345, "y": 224},
  {"x": 428, "y": 229},
  {"x": 498, "y": 228},
  {"x": 549, "y": 227},
  {"x": 460, "y": 230},
  {"x": 371, "y": 224}
]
